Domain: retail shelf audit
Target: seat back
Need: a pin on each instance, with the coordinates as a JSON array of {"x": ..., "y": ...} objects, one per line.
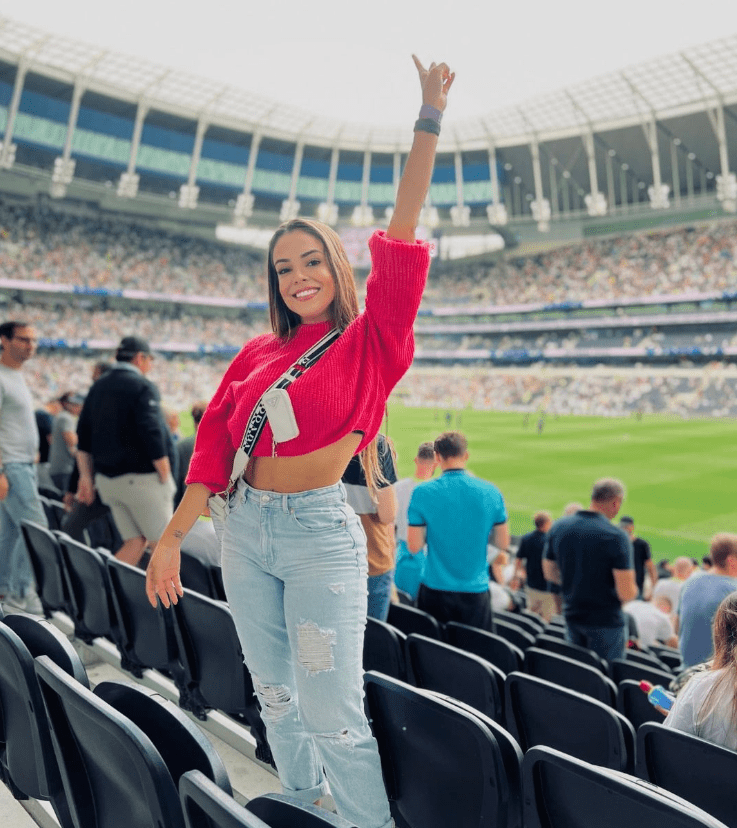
[
  {"x": 622, "y": 668},
  {"x": 513, "y": 633},
  {"x": 634, "y": 705},
  {"x": 46, "y": 560},
  {"x": 567, "y": 672},
  {"x": 530, "y": 625},
  {"x": 699, "y": 771},
  {"x": 384, "y": 649},
  {"x": 28, "y": 756},
  {"x": 564, "y": 792},
  {"x": 670, "y": 656},
  {"x": 412, "y": 620},
  {"x": 279, "y": 811},
  {"x": 489, "y": 646},
  {"x": 197, "y": 576},
  {"x": 206, "y": 806},
  {"x": 114, "y": 772},
  {"x": 458, "y": 674},
  {"x": 442, "y": 765},
  {"x": 52, "y": 515},
  {"x": 565, "y": 648},
  {"x": 541, "y": 713},
  {"x": 648, "y": 659},
  {"x": 89, "y": 589},
  {"x": 146, "y": 635}
]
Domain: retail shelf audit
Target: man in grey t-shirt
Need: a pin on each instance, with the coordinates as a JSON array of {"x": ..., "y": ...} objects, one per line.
[
  {"x": 18, "y": 448},
  {"x": 64, "y": 440}
]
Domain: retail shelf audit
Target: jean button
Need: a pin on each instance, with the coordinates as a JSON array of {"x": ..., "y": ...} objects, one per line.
[{"x": 264, "y": 498}]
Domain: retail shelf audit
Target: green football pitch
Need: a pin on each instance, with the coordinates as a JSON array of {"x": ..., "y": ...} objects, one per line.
[{"x": 681, "y": 475}]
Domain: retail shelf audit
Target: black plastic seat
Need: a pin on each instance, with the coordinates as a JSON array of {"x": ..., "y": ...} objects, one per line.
[
  {"x": 51, "y": 512},
  {"x": 279, "y": 811},
  {"x": 214, "y": 673},
  {"x": 412, "y": 620},
  {"x": 534, "y": 618},
  {"x": 384, "y": 649},
  {"x": 405, "y": 598},
  {"x": 491, "y": 647},
  {"x": 26, "y": 754},
  {"x": 513, "y": 633},
  {"x": 539, "y": 712},
  {"x": 564, "y": 792},
  {"x": 529, "y": 625},
  {"x": 622, "y": 668},
  {"x": 699, "y": 771},
  {"x": 555, "y": 631},
  {"x": 633, "y": 704},
  {"x": 146, "y": 636},
  {"x": 446, "y": 669},
  {"x": 443, "y": 764},
  {"x": 646, "y": 658},
  {"x": 122, "y": 751},
  {"x": 89, "y": 588},
  {"x": 565, "y": 648},
  {"x": 46, "y": 561},
  {"x": 567, "y": 672},
  {"x": 204, "y": 805},
  {"x": 198, "y": 576},
  {"x": 670, "y": 656}
]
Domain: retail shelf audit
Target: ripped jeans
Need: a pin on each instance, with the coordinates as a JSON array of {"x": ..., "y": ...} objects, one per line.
[{"x": 294, "y": 569}]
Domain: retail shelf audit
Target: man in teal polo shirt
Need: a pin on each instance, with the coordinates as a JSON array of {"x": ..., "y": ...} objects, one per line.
[{"x": 456, "y": 515}]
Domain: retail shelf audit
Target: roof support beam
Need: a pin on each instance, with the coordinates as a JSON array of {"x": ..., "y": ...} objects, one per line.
[
  {"x": 460, "y": 214},
  {"x": 540, "y": 206},
  {"x": 496, "y": 211},
  {"x": 7, "y": 155},
  {"x": 290, "y": 206}
]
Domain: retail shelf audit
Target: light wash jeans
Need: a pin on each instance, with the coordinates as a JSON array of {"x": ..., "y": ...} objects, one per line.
[
  {"x": 295, "y": 570},
  {"x": 22, "y": 503},
  {"x": 380, "y": 595}
]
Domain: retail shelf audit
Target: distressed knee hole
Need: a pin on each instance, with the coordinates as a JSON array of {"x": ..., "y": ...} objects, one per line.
[
  {"x": 315, "y": 648},
  {"x": 276, "y": 700},
  {"x": 338, "y": 589}
]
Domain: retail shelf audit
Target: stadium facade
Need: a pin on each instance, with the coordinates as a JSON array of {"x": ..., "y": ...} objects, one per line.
[{"x": 647, "y": 145}]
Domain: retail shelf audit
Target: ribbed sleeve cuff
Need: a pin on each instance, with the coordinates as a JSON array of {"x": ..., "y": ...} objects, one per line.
[{"x": 398, "y": 275}]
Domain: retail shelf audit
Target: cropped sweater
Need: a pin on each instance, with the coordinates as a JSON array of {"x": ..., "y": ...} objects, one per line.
[{"x": 345, "y": 391}]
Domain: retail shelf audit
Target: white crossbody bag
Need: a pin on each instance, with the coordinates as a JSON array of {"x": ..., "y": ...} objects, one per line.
[{"x": 274, "y": 405}]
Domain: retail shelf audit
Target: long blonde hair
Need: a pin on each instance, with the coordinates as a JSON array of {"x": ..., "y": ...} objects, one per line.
[{"x": 724, "y": 633}]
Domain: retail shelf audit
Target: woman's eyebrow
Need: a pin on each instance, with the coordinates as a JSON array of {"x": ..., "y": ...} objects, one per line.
[{"x": 302, "y": 256}]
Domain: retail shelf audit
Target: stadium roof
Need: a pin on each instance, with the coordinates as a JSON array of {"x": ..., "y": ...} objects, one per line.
[{"x": 665, "y": 87}]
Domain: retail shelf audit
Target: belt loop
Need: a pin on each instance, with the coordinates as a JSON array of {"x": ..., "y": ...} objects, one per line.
[{"x": 285, "y": 502}]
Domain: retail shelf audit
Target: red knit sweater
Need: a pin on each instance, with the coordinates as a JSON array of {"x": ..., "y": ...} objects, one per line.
[{"x": 345, "y": 391}]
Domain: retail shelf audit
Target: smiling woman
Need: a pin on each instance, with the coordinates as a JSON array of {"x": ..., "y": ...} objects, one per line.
[{"x": 293, "y": 551}]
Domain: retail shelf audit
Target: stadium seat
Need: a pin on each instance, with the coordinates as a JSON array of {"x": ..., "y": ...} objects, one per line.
[
  {"x": 567, "y": 672},
  {"x": 446, "y": 669},
  {"x": 51, "y": 510},
  {"x": 534, "y": 618},
  {"x": 539, "y": 712},
  {"x": 444, "y": 764},
  {"x": 530, "y": 625},
  {"x": 634, "y": 705},
  {"x": 622, "y": 668},
  {"x": 121, "y": 752},
  {"x": 491, "y": 647},
  {"x": 214, "y": 674},
  {"x": 513, "y": 633},
  {"x": 565, "y": 648},
  {"x": 670, "y": 656},
  {"x": 412, "y": 620},
  {"x": 146, "y": 637},
  {"x": 198, "y": 576},
  {"x": 384, "y": 649},
  {"x": 89, "y": 588},
  {"x": 561, "y": 791},
  {"x": 405, "y": 598},
  {"x": 204, "y": 805},
  {"x": 555, "y": 631},
  {"x": 648, "y": 659},
  {"x": 27, "y": 758},
  {"x": 699, "y": 771},
  {"x": 48, "y": 568},
  {"x": 279, "y": 811}
]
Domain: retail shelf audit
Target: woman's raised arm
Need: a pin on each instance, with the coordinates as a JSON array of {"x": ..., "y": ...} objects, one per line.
[{"x": 435, "y": 82}]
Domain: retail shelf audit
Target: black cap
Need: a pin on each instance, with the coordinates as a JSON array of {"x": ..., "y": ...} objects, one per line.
[
  {"x": 627, "y": 519},
  {"x": 132, "y": 345}
]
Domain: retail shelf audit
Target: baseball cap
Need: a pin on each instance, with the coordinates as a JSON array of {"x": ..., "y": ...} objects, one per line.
[{"x": 132, "y": 345}]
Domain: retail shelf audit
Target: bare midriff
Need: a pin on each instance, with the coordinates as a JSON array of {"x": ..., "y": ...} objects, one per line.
[{"x": 315, "y": 470}]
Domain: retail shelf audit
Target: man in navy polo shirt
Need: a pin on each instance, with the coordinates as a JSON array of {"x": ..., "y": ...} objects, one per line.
[
  {"x": 592, "y": 560},
  {"x": 456, "y": 515}
]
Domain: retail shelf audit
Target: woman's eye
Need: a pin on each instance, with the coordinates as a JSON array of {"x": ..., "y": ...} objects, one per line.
[
  {"x": 313, "y": 262},
  {"x": 282, "y": 272}
]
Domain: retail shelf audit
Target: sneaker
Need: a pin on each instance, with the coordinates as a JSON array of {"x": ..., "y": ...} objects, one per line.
[{"x": 33, "y": 604}]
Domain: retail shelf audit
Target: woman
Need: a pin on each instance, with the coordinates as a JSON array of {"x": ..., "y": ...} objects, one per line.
[
  {"x": 707, "y": 705},
  {"x": 294, "y": 554}
]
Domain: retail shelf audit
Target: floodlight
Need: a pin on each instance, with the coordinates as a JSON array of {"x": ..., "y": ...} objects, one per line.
[
  {"x": 128, "y": 185},
  {"x": 363, "y": 216},
  {"x": 430, "y": 217},
  {"x": 595, "y": 204},
  {"x": 7, "y": 158},
  {"x": 497, "y": 214},
  {"x": 289, "y": 209},
  {"x": 243, "y": 209},
  {"x": 62, "y": 176},
  {"x": 727, "y": 192},
  {"x": 659, "y": 197},
  {"x": 460, "y": 215},
  {"x": 188, "y": 195},
  {"x": 327, "y": 213},
  {"x": 541, "y": 213}
]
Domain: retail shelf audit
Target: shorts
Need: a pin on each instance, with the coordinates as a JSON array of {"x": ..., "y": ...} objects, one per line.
[{"x": 141, "y": 504}]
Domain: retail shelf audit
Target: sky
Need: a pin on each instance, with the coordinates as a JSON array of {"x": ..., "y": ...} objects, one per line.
[{"x": 351, "y": 61}]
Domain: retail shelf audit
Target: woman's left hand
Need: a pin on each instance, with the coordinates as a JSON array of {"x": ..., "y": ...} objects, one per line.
[{"x": 435, "y": 82}]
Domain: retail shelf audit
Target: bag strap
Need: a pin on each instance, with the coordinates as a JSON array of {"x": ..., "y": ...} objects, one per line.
[{"x": 257, "y": 420}]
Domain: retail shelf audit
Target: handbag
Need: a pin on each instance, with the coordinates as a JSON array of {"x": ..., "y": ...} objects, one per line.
[{"x": 219, "y": 502}]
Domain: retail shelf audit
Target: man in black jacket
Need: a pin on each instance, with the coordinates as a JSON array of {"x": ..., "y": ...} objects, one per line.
[{"x": 122, "y": 450}]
